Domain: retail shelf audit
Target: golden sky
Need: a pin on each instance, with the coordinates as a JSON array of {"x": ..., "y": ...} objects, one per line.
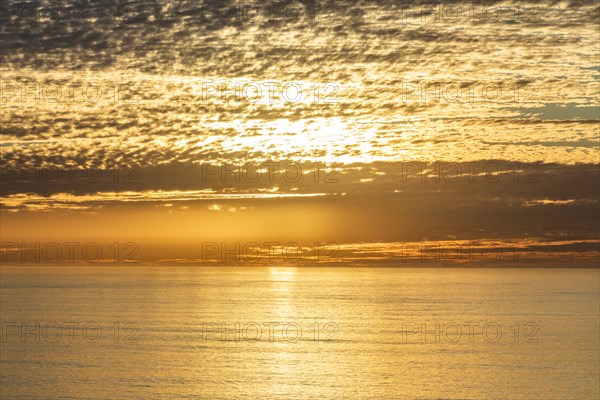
[{"x": 370, "y": 127}]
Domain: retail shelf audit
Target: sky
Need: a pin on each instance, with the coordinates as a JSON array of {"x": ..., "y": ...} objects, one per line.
[{"x": 354, "y": 133}]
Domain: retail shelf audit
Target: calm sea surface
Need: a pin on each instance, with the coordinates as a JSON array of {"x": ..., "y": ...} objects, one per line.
[{"x": 285, "y": 333}]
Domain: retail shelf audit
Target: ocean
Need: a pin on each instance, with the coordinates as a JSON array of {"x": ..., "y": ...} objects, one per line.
[{"x": 299, "y": 333}]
